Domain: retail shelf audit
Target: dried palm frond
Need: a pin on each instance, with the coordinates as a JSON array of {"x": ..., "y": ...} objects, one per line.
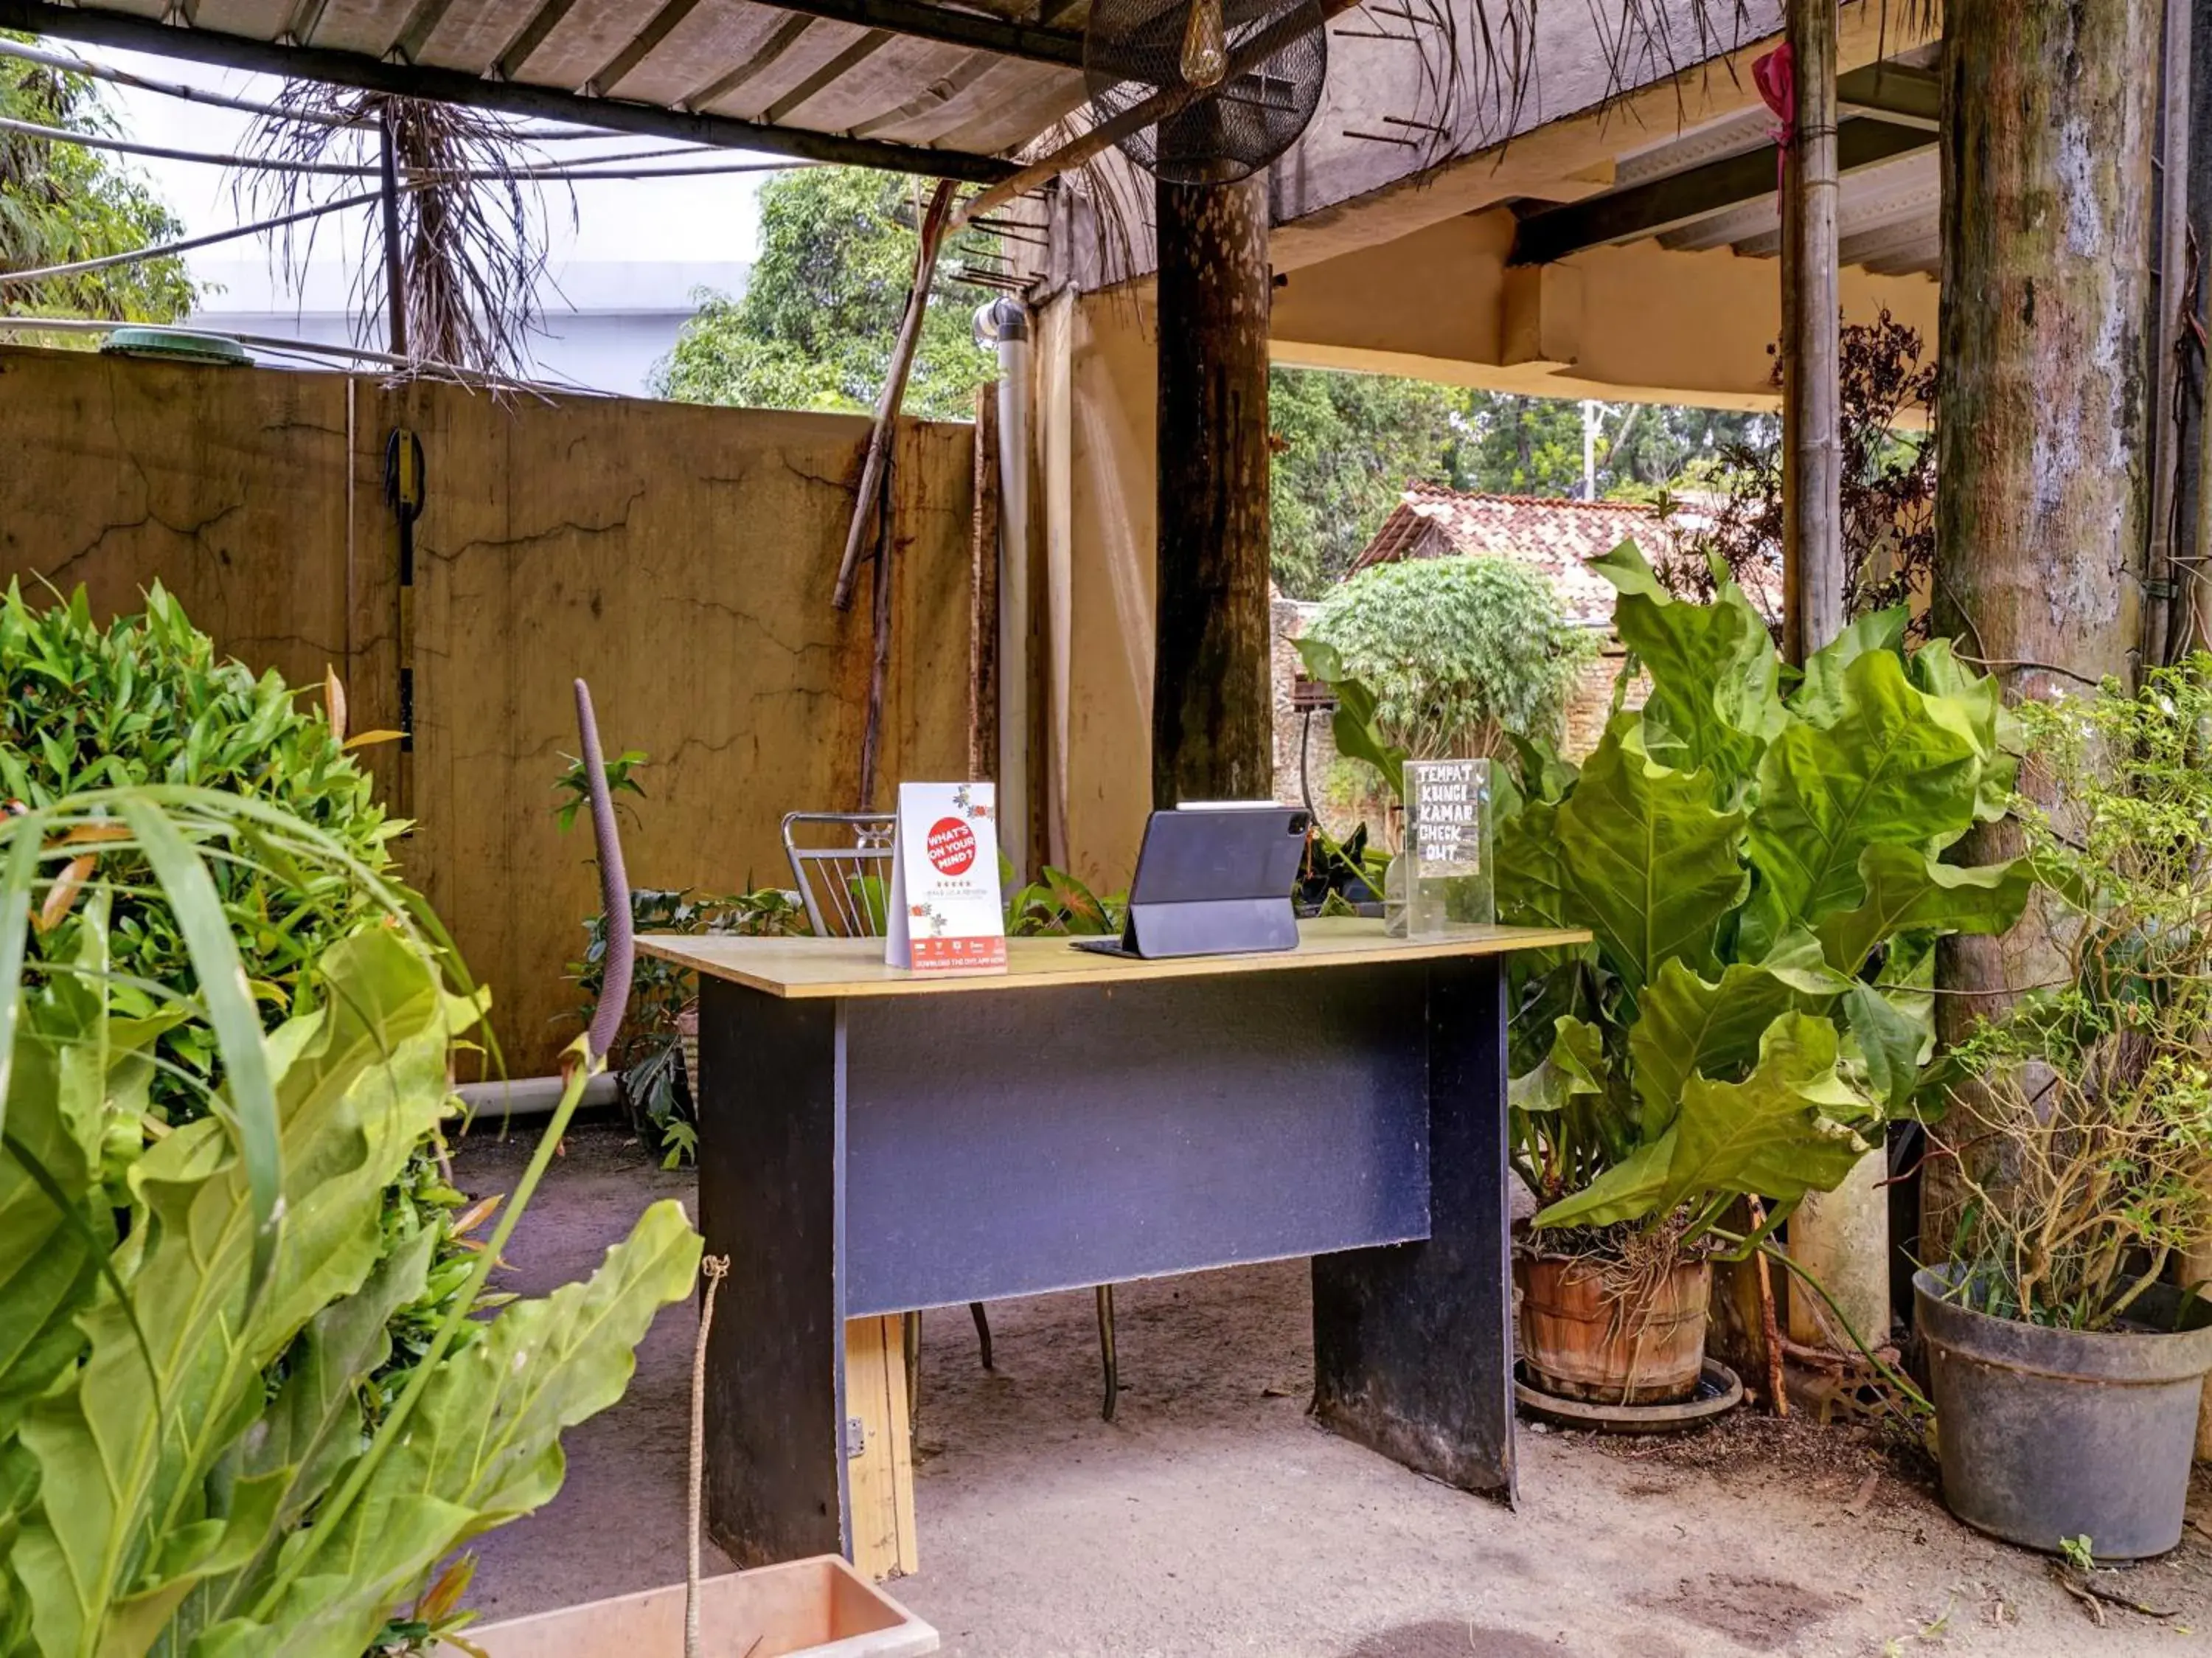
[{"x": 472, "y": 220}]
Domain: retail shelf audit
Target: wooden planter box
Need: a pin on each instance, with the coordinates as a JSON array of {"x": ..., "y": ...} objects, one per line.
[{"x": 820, "y": 1607}]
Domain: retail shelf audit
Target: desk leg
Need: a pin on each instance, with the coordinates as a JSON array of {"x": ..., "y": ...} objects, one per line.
[
  {"x": 771, "y": 1197},
  {"x": 1413, "y": 1343}
]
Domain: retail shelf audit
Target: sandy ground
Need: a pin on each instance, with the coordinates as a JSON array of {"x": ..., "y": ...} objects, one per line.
[{"x": 1213, "y": 1518}]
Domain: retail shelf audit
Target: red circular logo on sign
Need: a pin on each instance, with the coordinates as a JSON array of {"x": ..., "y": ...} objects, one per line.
[{"x": 951, "y": 846}]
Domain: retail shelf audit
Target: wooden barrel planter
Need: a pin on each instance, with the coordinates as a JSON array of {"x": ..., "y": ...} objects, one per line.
[{"x": 1580, "y": 1341}]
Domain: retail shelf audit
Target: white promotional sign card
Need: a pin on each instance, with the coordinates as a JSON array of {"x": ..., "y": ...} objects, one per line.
[{"x": 944, "y": 914}]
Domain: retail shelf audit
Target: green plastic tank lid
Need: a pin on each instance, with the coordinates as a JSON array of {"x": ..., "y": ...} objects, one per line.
[{"x": 177, "y": 345}]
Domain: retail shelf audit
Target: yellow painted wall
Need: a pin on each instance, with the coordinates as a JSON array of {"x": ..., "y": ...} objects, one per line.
[
  {"x": 680, "y": 558},
  {"x": 1633, "y": 323}
]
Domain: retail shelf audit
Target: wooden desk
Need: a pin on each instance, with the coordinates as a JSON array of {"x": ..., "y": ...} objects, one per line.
[{"x": 873, "y": 1141}]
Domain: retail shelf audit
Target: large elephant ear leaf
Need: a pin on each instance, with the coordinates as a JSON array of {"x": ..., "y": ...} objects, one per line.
[
  {"x": 1785, "y": 1130},
  {"x": 1820, "y": 697},
  {"x": 1973, "y": 704},
  {"x": 1884, "y": 773},
  {"x": 1629, "y": 1190},
  {"x": 1531, "y": 875},
  {"x": 1688, "y": 1026},
  {"x": 1893, "y": 1045},
  {"x": 1908, "y": 891},
  {"x": 1648, "y": 862},
  {"x": 1715, "y": 697}
]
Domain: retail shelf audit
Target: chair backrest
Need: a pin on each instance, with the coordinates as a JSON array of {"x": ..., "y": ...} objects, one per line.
[{"x": 844, "y": 878}]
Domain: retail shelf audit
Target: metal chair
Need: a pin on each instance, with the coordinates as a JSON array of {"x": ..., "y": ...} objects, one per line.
[{"x": 845, "y": 885}]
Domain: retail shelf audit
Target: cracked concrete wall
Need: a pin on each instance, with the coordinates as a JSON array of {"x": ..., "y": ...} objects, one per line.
[{"x": 680, "y": 558}]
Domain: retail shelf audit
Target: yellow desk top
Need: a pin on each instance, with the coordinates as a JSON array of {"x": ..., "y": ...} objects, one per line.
[{"x": 801, "y": 967}]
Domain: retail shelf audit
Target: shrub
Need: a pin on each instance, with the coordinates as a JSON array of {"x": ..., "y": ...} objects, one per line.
[
  {"x": 1457, "y": 651},
  {"x": 2083, "y": 1120},
  {"x": 148, "y": 700}
]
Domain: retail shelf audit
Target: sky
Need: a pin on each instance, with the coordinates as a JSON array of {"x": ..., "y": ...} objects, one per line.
[{"x": 711, "y": 220}]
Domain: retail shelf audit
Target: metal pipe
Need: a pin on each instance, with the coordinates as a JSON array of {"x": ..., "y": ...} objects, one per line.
[
  {"x": 395, "y": 284},
  {"x": 1005, "y": 323}
]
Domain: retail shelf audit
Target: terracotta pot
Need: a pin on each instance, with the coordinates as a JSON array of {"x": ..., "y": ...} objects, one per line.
[{"x": 1578, "y": 1342}]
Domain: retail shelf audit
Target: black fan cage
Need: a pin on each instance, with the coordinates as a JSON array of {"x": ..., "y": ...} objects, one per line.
[{"x": 1134, "y": 49}]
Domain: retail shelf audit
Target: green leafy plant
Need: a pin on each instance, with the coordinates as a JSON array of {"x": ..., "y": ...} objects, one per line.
[
  {"x": 1455, "y": 652},
  {"x": 1058, "y": 903},
  {"x": 146, "y": 699},
  {"x": 1759, "y": 856},
  {"x": 2082, "y": 1120},
  {"x": 193, "y": 1314},
  {"x": 648, "y": 1058}
]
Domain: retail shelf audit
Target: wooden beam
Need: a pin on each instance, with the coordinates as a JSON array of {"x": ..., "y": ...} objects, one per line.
[
  {"x": 1062, "y": 47},
  {"x": 1904, "y": 94},
  {"x": 786, "y": 35},
  {"x": 132, "y": 33},
  {"x": 1162, "y": 106},
  {"x": 1695, "y": 193},
  {"x": 1212, "y": 706},
  {"x": 813, "y": 86},
  {"x": 641, "y": 46}
]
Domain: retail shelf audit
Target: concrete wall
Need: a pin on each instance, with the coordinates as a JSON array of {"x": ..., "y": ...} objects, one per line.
[
  {"x": 679, "y": 557},
  {"x": 1636, "y": 323}
]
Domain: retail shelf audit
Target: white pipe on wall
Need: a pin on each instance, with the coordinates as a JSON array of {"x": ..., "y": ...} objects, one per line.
[{"x": 1005, "y": 323}]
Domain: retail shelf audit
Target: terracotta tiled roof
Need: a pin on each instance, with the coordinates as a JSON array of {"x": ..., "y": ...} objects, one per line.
[{"x": 1552, "y": 535}]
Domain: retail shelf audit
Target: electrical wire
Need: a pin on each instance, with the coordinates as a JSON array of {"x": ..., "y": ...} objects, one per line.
[
  {"x": 75, "y": 65},
  {"x": 185, "y": 245},
  {"x": 558, "y": 172}
]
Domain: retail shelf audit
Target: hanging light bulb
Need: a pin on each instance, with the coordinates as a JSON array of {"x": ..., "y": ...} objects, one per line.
[{"x": 1204, "y": 46}]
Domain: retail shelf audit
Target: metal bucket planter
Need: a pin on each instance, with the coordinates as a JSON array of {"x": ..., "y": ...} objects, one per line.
[
  {"x": 1578, "y": 1342},
  {"x": 820, "y": 1607},
  {"x": 2046, "y": 1435}
]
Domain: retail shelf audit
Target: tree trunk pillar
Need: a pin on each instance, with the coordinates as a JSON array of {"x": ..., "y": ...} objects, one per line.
[
  {"x": 1213, "y": 708},
  {"x": 2050, "y": 108}
]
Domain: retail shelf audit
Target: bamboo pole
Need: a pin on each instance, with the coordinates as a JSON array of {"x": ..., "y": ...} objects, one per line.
[
  {"x": 894, "y": 395},
  {"x": 1813, "y": 548},
  {"x": 1840, "y": 1237}
]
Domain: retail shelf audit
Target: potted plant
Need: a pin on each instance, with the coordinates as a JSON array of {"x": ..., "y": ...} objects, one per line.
[
  {"x": 1756, "y": 850},
  {"x": 2066, "y": 1373}
]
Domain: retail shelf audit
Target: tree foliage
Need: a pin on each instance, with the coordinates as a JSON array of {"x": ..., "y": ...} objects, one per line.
[
  {"x": 1887, "y": 494},
  {"x": 820, "y": 312},
  {"x": 60, "y": 203},
  {"x": 1457, "y": 652},
  {"x": 1347, "y": 445}
]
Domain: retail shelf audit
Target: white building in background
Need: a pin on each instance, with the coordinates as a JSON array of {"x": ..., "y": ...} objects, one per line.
[{"x": 607, "y": 322}]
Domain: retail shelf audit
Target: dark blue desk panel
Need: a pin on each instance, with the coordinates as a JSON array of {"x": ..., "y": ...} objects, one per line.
[{"x": 876, "y": 1155}]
